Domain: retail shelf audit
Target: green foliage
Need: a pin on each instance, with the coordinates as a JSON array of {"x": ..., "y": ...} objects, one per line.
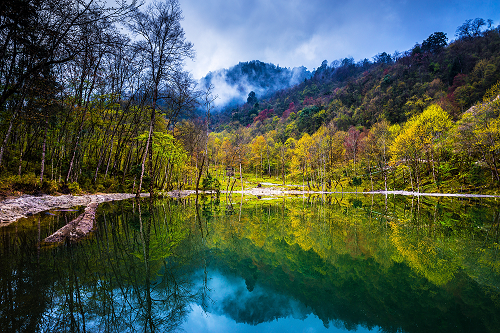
[
  {"x": 476, "y": 175},
  {"x": 437, "y": 145},
  {"x": 435, "y": 43},
  {"x": 210, "y": 183},
  {"x": 28, "y": 183},
  {"x": 356, "y": 181},
  {"x": 49, "y": 187},
  {"x": 492, "y": 93},
  {"x": 309, "y": 119},
  {"x": 74, "y": 188},
  {"x": 387, "y": 79},
  {"x": 252, "y": 99}
]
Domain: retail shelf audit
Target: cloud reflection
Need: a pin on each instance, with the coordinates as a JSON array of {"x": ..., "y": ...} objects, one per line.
[{"x": 234, "y": 308}]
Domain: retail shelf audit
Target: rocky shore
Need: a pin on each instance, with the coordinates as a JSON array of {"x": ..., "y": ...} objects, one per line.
[{"x": 13, "y": 209}]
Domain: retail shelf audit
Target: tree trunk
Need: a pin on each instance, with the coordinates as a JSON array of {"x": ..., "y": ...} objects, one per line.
[
  {"x": 75, "y": 150},
  {"x": 138, "y": 193},
  {"x": 20, "y": 163},
  {"x": 283, "y": 166},
  {"x": 200, "y": 171},
  {"x": 7, "y": 136},
  {"x": 241, "y": 179},
  {"x": 43, "y": 152}
]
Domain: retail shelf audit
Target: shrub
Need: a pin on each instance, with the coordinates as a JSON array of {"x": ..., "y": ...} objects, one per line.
[
  {"x": 74, "y": 188},
  {"x": 210, "y": 183},
  {"x": 50, "y": 186}
]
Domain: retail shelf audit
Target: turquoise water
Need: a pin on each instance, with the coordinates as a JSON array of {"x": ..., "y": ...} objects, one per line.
[{"x": 318, "y": 264}]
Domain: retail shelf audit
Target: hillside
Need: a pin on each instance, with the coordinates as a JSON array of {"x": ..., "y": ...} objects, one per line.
[
  {"x": 423, "y": 120},
  {"x": 82, "y": 116},
  {"x": 391, "y": 87}
]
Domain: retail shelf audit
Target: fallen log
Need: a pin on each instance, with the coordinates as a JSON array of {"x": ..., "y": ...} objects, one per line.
[{"x": 76, "y": 229}]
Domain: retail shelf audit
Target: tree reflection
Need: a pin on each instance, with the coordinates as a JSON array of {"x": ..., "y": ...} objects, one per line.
[
  {"x": 386, "y": 262},
  {"x": 371, "y": 261},
  {"x": 25, "y": 279},
  {"x": 122, "y": 279}
]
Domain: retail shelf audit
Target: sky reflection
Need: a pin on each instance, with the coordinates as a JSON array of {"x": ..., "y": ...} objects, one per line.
[{"x": 232, "y": 307}]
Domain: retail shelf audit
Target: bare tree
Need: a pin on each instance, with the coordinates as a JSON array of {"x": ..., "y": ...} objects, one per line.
[
  {"x": 208, "y": 103},
  {"x": 38, "y": 34},
  {"x": 37, "y": 37},
  {"x": 163, "y": 47}
]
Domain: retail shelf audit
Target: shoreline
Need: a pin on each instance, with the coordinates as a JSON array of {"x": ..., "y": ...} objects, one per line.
[
  {"x": 14, "y": 209},
  {"x": 273, "y": 192}
]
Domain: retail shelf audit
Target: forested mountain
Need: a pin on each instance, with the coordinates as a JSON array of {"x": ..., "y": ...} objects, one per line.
[
  {"x": 425, "y": 118},
  {"x": 391, "y": 87},
  {"x": 233, "y": 85}
]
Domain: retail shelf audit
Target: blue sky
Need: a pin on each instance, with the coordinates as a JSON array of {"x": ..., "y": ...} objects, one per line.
[{"x": 293, "y": 33}]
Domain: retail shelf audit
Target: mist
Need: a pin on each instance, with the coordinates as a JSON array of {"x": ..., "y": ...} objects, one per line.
[{"x": 232, "y": 86}]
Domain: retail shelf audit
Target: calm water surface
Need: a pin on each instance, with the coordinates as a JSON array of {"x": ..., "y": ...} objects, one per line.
[{"x": 318, "y": 264}]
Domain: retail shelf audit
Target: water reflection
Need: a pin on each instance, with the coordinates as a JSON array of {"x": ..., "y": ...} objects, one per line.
[
  {"x": 235, "y": 308},
  {"x": 122, "y": 279},
  {"x": 324, "y": 263}
]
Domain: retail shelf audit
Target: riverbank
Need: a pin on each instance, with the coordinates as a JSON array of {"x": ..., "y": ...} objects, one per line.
[
  {"x": 274, "y": 191},
  {"x": 13, "y": 209}
]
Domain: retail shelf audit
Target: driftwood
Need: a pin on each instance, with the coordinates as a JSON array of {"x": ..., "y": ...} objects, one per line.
[{"x": 76, "y": 229}]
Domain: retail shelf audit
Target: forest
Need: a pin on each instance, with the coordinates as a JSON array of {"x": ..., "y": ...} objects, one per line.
[
  {"x": 423, "y": 119},
  {"x": 96, "y": 99},
  {"x": 86, "y": 106}
]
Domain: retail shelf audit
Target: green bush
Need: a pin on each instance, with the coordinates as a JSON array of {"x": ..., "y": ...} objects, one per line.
[
  {"x": 28, "y": 183},
  {"x": 356, "y": 181},
  {"x": 50, "y": 187},
  {"x": 74, "y": 188},
  {"x": 210, "y": 183},
  {"x": 476, "y": 175}
]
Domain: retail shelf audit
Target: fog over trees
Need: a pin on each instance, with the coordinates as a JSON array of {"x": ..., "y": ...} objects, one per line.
[{"x": 234, "y": 84}]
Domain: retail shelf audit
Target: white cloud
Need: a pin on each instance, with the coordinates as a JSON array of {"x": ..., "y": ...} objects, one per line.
[{"x": 295, "y": 33}]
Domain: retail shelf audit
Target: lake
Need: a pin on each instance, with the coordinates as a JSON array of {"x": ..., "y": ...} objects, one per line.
[{"x": 364, "y": 263}]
